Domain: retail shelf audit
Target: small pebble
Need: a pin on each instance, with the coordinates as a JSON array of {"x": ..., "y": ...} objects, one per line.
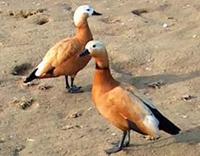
[
  {"x": 44, "y": 87},
  {"x": 187, "y": 97},
  {"x": 30, "y": 140},
  {"x": 19, "y": 148},
  {"x": 148, "y": 68},
  {"x": 76, "y": 114},
  {"x": 188, "y": 5},
  {"x": 2, "y": 140},
  {"x": 23, "y": 103},
  {"x": 170, "y": 17},
  {"x": 115, "y": 21},
  {"x": 4, "y": 3},
  {"x": 71, "y": 127},
  {"x": 139, "y": 12},
  {"x": 194, "y": 36},
  {"x": 11, "y": 13},
  {"x": 78, "y": 126},
  {"x": 150, "y": 60},
  {"x": 184, "y": 116},
  {"x": 67, "y": 127},
  {"x": 156, "y": 85},
  {"x": 165, "y": 25},
  {"x": 90, "y": 108},
  {"x": 113, "y": 134},
  {"x": 4, "y": 72}
]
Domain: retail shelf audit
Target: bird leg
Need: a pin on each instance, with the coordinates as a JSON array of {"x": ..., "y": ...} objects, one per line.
[
  {"x": 66, "y": 82},
  {"x": 73, "y": 88},
  {"x": 127, "y": 141},
  {"x": 119, "y": 147}
]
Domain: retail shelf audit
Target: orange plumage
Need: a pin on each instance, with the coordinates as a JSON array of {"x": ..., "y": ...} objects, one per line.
[
  {"x": 63, "y": 58},
  {"x": 122, "y": 104}
]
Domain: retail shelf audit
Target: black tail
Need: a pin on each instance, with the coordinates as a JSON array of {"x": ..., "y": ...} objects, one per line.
[
  {"x": 164, "y": 124},
  {"x": 31, "y": 77}
]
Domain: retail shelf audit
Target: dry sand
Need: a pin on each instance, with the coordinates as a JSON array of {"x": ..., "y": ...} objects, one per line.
[{"x": 158, "y": 52}]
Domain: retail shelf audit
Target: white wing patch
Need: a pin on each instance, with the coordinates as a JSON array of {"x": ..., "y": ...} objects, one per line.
[
  {"x": 152, "y": 123},
  {"x": 40, "y": 68}
]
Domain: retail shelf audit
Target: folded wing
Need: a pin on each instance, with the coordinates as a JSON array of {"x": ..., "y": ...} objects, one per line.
[
  {"x": 164, "y": 123},
  {"x": 58, "y": 54}
]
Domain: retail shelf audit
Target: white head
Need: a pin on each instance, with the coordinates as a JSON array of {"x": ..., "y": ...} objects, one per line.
[
  {"x": 95, "y": 49},
  {"x": 82, "y": 13}
]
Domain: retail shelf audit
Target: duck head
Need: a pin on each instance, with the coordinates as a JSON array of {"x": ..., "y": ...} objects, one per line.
[
  {"x": 97, "y": 50},
  {"x": 82, "y": 13}
]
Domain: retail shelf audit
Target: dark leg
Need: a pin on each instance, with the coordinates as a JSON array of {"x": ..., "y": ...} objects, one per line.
[
  {"x": 72, "y": 81},
  {"x": 118, "y": 147},
  {"x": 66, "y": 82},
  {"x": 127, "y": 142},
  {"x": 73, "y": 88}
]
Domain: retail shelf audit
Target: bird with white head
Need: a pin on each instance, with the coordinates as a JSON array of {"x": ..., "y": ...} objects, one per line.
[
  {"x": 62, "y": 58},
  {"x": 123, "y": 105}
]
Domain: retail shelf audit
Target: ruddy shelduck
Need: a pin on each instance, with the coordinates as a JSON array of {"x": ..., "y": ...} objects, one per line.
[
  {"x": 63, "y": 58},
  {"x": 121, "y": 104}
]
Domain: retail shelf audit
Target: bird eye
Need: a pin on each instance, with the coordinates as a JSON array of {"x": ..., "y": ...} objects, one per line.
[
  {"x": 88, "y": 9},
  {"x": 94, "y": 46}
]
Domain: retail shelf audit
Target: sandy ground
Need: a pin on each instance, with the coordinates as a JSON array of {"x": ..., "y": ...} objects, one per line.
[{"x": 158, "y": 52}]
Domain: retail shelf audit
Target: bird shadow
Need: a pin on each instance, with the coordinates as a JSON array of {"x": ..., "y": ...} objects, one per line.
[
  {"x": 142, "y": 82},
  {"x": 191, "y": 137},
  {"x": 87, "y": 88}
]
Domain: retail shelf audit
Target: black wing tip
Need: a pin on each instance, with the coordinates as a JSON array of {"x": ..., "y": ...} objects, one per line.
[
  {"x": 175, "y": 131},
  {"x": 169, "y": 127},
  {"x": 164, "y": 123},
  {"x": 26, "y": 80},
  {"x": 31, "y": 77}
]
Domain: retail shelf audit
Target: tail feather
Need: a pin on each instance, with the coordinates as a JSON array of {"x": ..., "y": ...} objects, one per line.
[
  {"x": 31, "y": 77},
  {"x": 164, "y": 123}
]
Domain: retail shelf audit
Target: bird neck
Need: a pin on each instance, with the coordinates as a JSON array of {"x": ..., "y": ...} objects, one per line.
[
  {"x": 83, "y": 33},
  {"x": 103, "y": 80}
]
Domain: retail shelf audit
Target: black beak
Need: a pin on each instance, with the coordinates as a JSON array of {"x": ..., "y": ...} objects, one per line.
[
  {"x": 84, "y": 53},
  {"x": 96, "y": 13}
]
